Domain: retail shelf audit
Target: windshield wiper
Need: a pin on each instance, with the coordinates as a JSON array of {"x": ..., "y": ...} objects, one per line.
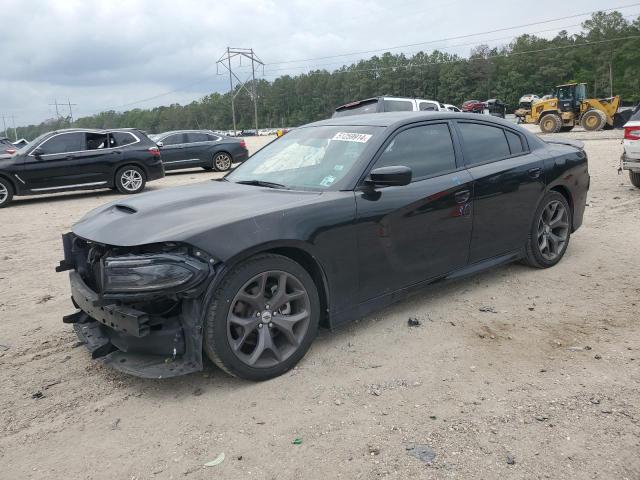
[{"x": 261, "y": 183}]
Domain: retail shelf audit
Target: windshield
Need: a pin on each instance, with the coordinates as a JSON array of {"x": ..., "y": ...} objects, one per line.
[
  {"x": 312, "y": 158},
  {"x": 367, "y": 106}
]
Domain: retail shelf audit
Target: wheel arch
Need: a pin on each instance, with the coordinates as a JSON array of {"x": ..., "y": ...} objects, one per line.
[
  {"x": 12, "y": 182},
  {"x": 566, "y": 193},
  {"x": 127, "y": 163},
  {"x": 302, "y": 254}
]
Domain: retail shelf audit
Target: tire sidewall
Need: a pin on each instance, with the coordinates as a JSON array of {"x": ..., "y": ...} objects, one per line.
[
  {"x": 533, "y": 251},
  {"x": 10, "y": 192},
  {"x": 215, "y": 167},
  {"x": 215, "y": 341},
  {"x": 119, "y": 184}
]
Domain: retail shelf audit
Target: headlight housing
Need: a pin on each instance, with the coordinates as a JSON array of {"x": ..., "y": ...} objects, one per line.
[{"x": 150, "y": 273}]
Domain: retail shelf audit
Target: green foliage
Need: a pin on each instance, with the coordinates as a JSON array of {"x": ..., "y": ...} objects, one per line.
[{"x": 529, "y": 64}]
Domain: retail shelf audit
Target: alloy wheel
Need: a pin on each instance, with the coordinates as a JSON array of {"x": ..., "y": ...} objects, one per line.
[
  {"x": 4, "y": 194},
  {"x": 553, "y": 230},
  {"x": 131, "y": 180},
  {"x": 268, "y": 319},
  {"x": 222, "y": 162}
]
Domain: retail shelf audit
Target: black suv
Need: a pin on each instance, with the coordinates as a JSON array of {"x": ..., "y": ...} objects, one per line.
[
  {"x": 200, "y": 148},
  {"x": 79, "y": 159}
]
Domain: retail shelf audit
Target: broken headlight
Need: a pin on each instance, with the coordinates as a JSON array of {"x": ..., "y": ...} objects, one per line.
[{"x": 154, "y": 272}]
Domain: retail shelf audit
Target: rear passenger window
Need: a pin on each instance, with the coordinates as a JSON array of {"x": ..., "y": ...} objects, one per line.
[
  {"x": 427, "y": 150},
  {"x": 193, "y": 137},
  {"x": 398, "y": 106},
  {"x": 175, "y": 139},
  {"x": 483, "y": 143},
  {"x": 515, "y": 142},
  {"x": 97, "y": 141},
  {"x": 428, "y": 107}
]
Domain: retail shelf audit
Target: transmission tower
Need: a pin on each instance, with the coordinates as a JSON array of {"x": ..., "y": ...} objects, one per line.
[{"x": 225, "y": 61}]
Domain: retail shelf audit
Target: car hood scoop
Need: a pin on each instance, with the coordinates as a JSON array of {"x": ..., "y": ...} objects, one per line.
[{"x": 183, "y": 214}]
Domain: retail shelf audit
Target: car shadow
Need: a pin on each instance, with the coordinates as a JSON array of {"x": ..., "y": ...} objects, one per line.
[{"x": 212, "y": 378}]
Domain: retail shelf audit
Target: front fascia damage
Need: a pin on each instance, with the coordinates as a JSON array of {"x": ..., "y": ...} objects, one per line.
[{"x": 148, "y": 332}]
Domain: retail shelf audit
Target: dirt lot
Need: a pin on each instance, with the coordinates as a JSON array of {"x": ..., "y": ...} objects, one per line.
[{"x": 546, "y": 384}]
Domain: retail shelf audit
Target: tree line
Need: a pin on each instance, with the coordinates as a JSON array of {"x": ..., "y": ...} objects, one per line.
[{"x": 608, "y": 47}]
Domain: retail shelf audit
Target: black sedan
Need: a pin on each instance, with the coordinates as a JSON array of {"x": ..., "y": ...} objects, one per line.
[
  {"x": 200, "y": 148},
  {"x": 80, "y": 159},
  {"x": 326, "y": 224}
]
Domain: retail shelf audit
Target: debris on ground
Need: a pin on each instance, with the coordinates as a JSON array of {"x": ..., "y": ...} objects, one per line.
[
  {"x": 218, "y": 460},
  {"x": 4, "y": 348},
  {"x": 373, "y": 450},
  {"x": 488, "y": 309},
  {"x": 45, "y": 298},
  {"x": 338, "y": 401},
  {"x": 37, "y": 395},
  {"x": 414, "y": 322},
  {"x": 598, "y": 356},
  {"x": 422, "y": 452},
  {"x": 297, "y": 441},
  {"x": 115, "y": 424},
  {"x": 511, "y": 460},
  {"x": 197, "y": 392}
]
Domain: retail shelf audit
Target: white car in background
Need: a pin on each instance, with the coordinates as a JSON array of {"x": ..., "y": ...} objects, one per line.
[
  {"x": 529, "y": 98},
  {"x": 451, "y": 108},
  {"x": 631, "y": 142},
  {"x": 389, "y": 104}
]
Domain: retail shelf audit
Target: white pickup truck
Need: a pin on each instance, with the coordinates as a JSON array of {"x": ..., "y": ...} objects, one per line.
[
  {"x": 631, "y": 155},
  {"x": 389, "y": 104}
]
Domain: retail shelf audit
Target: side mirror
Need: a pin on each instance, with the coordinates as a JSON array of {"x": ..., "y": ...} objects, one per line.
[
  {"x": 393, "y": 176},
  {"x": 37, "y": 152},
  {"x": 160, "y": 144}
]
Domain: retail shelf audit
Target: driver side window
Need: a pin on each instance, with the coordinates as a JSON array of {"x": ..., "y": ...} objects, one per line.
[
  {"x": 64, "y": 143},
  {"x": 427, "y": 150}
]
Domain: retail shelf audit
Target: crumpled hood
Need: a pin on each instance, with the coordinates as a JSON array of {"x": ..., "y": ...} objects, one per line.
[{"x": 181, "y": 213}]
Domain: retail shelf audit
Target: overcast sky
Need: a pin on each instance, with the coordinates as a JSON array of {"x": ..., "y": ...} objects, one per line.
[{"x": 119, "y": 54}]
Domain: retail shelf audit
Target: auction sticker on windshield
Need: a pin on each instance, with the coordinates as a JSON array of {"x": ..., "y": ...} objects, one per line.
[{"x": 352, "y": 137}]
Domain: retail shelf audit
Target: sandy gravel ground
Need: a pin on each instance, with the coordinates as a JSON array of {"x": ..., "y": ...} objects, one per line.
[{"x": 544, "y": 385}]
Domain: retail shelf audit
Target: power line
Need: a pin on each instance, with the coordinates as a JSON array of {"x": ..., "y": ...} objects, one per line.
[
  {"x": 449, "y": 47},
  {"x": 362, "y": 52},
  {"x": 458, "y": 60}
]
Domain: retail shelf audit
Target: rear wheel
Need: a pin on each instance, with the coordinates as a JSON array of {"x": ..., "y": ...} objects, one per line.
[
  {"x": 222, "y": 161},
  {"x": 551, "y": 123},
  {"x": 635, "y": 178},
  {"x": 6, "y": 192},
  {"x": 550, "y": 232},
  {"x": 263, "y": 318},
  {"x": 130, "y": 179},
  {"x": 593, "y": 120}
]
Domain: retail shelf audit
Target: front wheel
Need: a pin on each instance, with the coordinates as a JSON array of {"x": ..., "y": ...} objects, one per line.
[
  {"x": 550, "y": 232},
  {"x": 263, "y": 318},
  {"x": 130, "y": 179},
  {"x": 6, "y": 192}
]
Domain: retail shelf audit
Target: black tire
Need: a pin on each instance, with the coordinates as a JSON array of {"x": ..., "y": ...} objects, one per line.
[
  {"x": 550, "y": 123},
  {"x": 130, "y": 179},
  {"x": 534, "y": 256},
  {"x": 217, "y": 329},
  {"x": 221, "y": 161},
  {"x": 6, "y": 192},
  {"x": 635, "y": 178},
  {"x": 593, "y": 120}
]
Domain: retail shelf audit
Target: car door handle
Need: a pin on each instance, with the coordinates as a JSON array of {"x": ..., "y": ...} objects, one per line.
[
  {"x": 535, "y": 172},
  {"x": 462, "y": 196}
]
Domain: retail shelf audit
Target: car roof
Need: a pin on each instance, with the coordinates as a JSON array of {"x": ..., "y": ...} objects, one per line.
[
  {"x": 184, "y": 131},
  {"x": 389, "y": 119}
]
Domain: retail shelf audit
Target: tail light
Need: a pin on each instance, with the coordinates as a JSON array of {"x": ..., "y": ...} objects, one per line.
[
  {"x": 243, "y": 144},
  {"x": 154, "y": 151},
  {"x": 632, "y": 133}
]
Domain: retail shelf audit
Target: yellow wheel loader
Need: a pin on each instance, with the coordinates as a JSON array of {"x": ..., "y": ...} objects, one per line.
[{"x": 569, "y": 108}]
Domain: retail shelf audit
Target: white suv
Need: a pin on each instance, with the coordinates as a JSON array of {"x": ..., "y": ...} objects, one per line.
[
  {"x": 631, "y": 155},
  {"x": 389, "y": 104}
]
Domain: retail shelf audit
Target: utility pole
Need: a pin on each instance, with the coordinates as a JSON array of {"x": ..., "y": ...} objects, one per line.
[
  {"x": 71, "y": 111},
  {"x": 55, "y": 102},
  {"x": 15, "y": 133},
  {"x": 225, "y": 61},
  {"x": 4, "y": 123},
  {"x": 610, "y": 80}
]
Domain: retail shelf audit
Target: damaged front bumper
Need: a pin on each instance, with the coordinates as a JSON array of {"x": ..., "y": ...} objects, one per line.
[{"x": 151, "y": 334}]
